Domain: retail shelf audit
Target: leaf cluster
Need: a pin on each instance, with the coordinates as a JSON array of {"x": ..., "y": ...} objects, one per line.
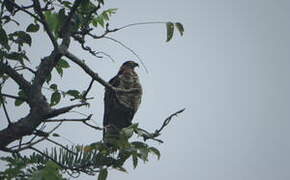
[{"x": 90, "y": 159}]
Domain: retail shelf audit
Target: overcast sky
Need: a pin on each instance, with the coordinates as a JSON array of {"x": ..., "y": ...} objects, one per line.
[{"x": 230, "y": 71}]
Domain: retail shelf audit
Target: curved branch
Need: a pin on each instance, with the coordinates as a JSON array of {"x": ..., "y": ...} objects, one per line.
[
  {"x": 96, "y": 77},
  {"x": 129, "y": 49},
  {"x": 57, "y": 112},
  {"x": 19, "y": 79}
]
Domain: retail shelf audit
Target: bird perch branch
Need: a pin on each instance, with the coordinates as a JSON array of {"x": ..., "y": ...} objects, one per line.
[{"x": 96, "y": 77}]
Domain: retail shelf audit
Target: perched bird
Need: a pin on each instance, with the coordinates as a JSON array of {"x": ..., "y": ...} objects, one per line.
[{"x": 120, "y": 107}]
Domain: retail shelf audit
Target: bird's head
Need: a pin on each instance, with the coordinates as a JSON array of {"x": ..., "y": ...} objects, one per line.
[
  {"x": 130, "y": 64},
  {"x": 128, "y": 67}
]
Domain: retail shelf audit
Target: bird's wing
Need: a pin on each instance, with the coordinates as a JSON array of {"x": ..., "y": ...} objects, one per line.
[{"x": 110, "y": 99}]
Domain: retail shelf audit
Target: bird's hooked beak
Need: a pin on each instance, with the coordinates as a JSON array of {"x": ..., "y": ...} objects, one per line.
[{"x": 136, "y": 65}]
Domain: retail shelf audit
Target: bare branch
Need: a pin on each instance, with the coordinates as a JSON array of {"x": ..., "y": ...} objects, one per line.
[
  {"x": 6, "y": 113},
  {"x": 69, "y": 120},
  {"x": 13, "y": 97},
  {"x": 19, "y": 79},
  {"x": 96, "y": 77},
  {"x": 24, "y": 68},
  {"x": 146, "y": 135},
  {"x": 129, "y": 49},
  {"x": 89, "y": 88},
  {"x": 30, "y": 144},
  {"x": 24, "y": 10},
  {"x": 63, "y": 110},
  {"x": 167, "y": 120},
  {"x": 142, "y": 23},
  {"x": 94, "y": 127}
]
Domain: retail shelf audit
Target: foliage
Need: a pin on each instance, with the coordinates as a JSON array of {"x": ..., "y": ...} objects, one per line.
[
  {"x": 75, "y": 159},
  {"x": 60, "y": 21}
]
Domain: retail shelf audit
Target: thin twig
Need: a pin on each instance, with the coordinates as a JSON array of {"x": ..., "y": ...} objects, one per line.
[
  {"x": 69, "y": 120},
  {"x": 146, "y": 135},
  {"x": 142, "y": 23},
  {"x": 56, "y": 143},
  {"x": 29, "y": 145},
  {"x": 94, "y": 127},
  {"x": 24, "y": 10},
  {"x": 129, "y": 49},
  {"x": 6, "y": 113},
  {"x": 13, "y": 97},
  {"x": 88, "y": 89},
  {"x": 63, "y": 110}
]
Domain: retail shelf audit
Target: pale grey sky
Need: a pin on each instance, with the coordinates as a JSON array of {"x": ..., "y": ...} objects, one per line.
[{"x": 230, "y": 71}]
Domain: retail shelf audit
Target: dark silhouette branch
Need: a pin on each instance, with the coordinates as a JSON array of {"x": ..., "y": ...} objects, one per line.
[
  {"x": 95, "y": 76},
  {"x": 6, "y": 113},
  {"x": 24, "y": 9},
  {"x": 19, "y": 79},
  {"x": 13, "y": 97},
  {"x": 129, "y": 49},
  {"x": 30, "y": 144},
  {"x": 88, "y": 89},
  {"x": 57, "y": 112},
  {"x": 69, "y": 120}
]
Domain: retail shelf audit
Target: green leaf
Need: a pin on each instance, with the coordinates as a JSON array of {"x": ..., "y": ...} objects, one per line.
[
  {"x": 122, "y": 169},
  {"x": 128, "y": 132},
  {"x": 53, "y": 86},
  {"x": 180, "y": 28},
  {"x": 22, "y": 37},
  {"x": 21, "y": 94},
  {"x": 84, "y": 4},
  {"x": 103, "y": 174},
  {"x": 170, "y": 31},
  {"x": 103, "y": 17},
  {"x": 74, "y": 93},
  {"x": 18, "y": 102},
  {"x": 16, "y": 56},
  {"x": 52, "y": 20},
  {"x": 155, "y": 151},
  {"x": 55, "y": 98},
  {"x": 59, "y": 70},
  {"x": 143, "y": 154},
  {"x": 139, "y": 145},
  {"x": 49, "y": 172},
  {"x": 63, "y": 63},
  {"x": 135, "y": 160},
  {"x": 32, "y": 28},
  {"x": 55, "y": 135}
]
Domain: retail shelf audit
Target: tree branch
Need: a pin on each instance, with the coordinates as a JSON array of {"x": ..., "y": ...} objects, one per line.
[
  {"x": 13, "y": 97},
  {"x": 24, "y": 10},
  {"x": 146, "y": 135},
  {"x": 38, "y": 10},
  {"x": 89, "y": 88},
  {"x": 69, "y": 120},
  {"x": 63, "y": 110},
  {"x": 96, "y": 77},
  {"x": 6, "y": 113},
  {"x": 19, "y": 79}
]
